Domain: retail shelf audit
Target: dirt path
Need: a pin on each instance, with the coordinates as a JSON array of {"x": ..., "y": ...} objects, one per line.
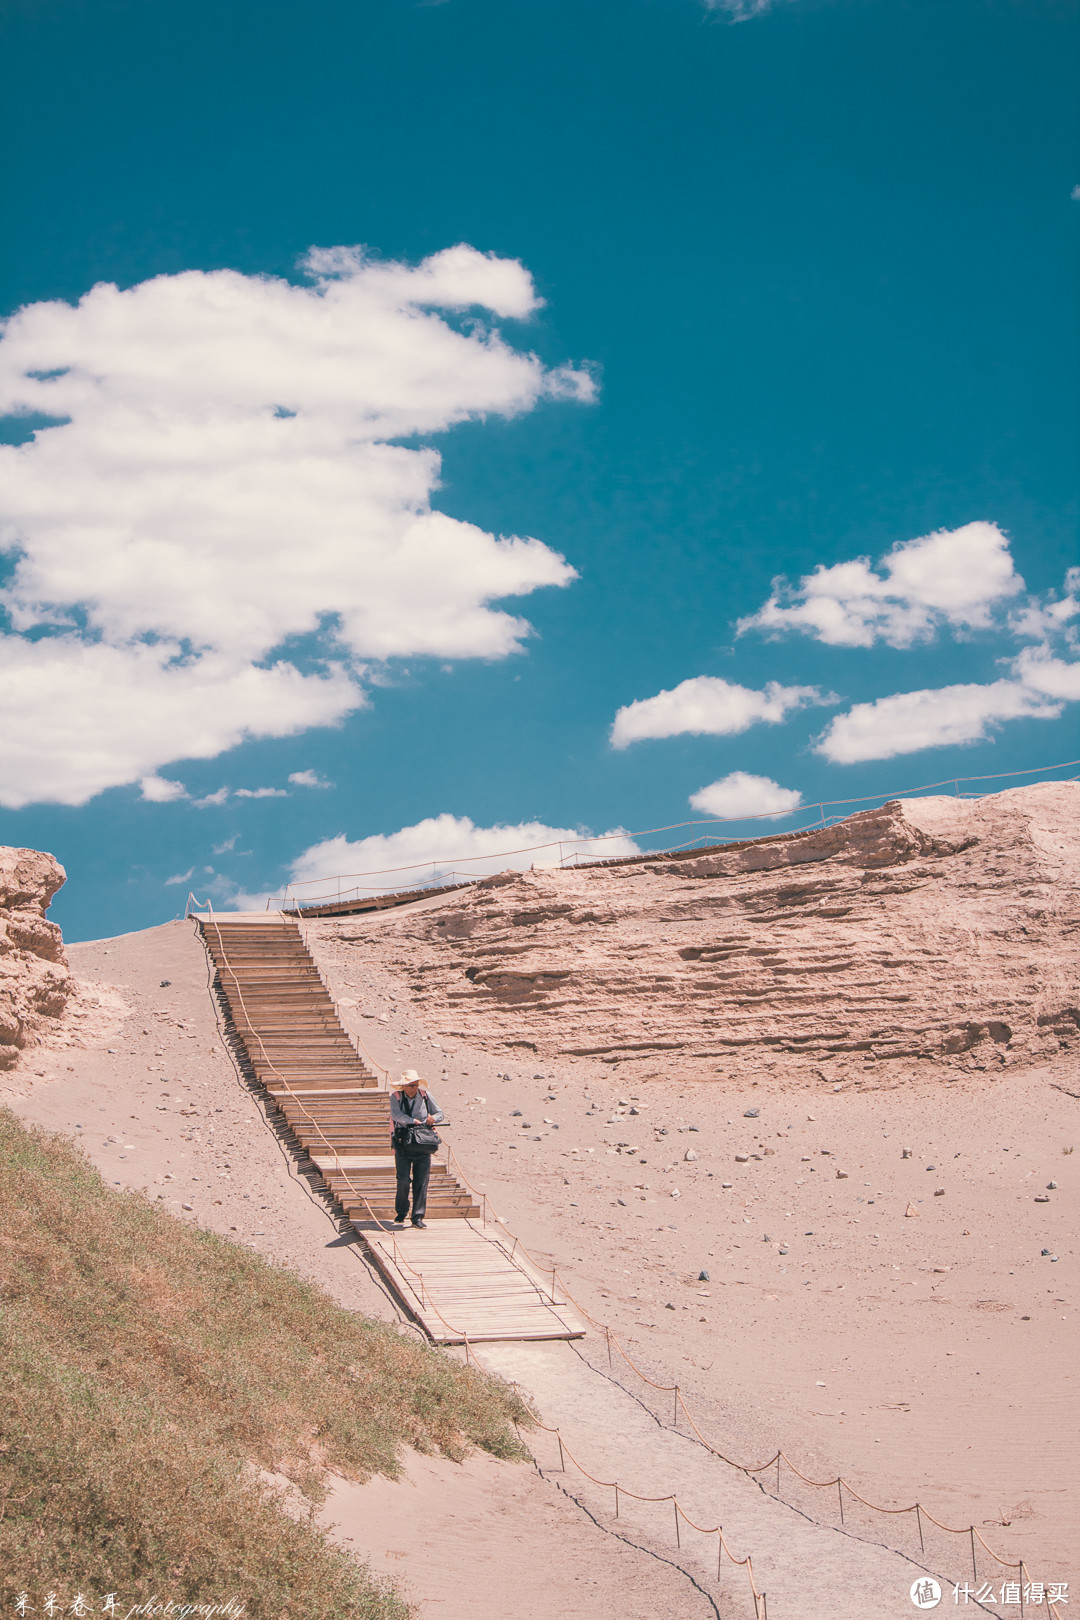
[{"x": 894, "y": 1348}]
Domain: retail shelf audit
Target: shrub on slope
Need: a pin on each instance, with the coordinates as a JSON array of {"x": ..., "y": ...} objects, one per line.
[{"x": 149, "y": 1369}]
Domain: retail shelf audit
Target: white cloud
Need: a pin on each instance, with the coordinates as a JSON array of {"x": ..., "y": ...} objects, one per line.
[
  {"x": 221, "y": 483},
  {"x": 1039, "y": 671},
  {"x": 909, "y": 721},
  {"x": 436, "y": 849},
  {"x": 159, "y": 790},
  {"x": 181, "y": 877},
  {"x": 739, "y": 10},
  {"x": 310, "y": 779},
  {"x": 742, "y": 795},
  {"x": 708, "y": 706},
  {"x": 1044, "y": 618},
  {"x": 78, "y": 717},
  {"x": 261, "y": 793},
  {"x": 952, "y": 577}
]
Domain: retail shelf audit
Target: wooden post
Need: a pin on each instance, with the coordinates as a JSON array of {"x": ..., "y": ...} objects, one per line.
[
  {"x": 974, "y": 1570},
  {"x": 840, "y": 1494},
  {"x": 675, "y": 1505},
  {"x": 676, "y": 1406},
  {"x": 562, "y": 1459},
  {"x": 918, "y": 1521}
]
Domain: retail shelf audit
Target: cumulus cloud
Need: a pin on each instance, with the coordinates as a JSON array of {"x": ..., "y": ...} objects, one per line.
[
  {"x": 219, "y": 483},
  {"x": 79, "y": 716},
  {"x": 436, "y": 849},
  {"x": 740, "y": 795},
  {"x": 708, "y": 706},
  {"x": 262, "y": 793},
  {"x": 310, "y": 779},
  {"x": 159, "y": 790},
  {"x": 909, "y": 721},
  {"x": 952, "y": 577}
]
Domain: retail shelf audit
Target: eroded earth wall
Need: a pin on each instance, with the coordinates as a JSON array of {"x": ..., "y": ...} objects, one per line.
[
  {"x": 938, "y": 929},
  {"x": 34, "y": 981}
]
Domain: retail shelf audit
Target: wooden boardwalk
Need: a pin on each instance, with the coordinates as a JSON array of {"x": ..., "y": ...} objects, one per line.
[
  {"x": 459, "y": 1280},
  {"x": 462, "y": 1283}
]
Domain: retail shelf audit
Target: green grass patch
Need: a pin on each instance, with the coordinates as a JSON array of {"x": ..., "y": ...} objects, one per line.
[{"x": 149, "y": 1369}]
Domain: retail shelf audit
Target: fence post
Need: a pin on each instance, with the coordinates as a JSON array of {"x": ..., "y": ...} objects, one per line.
[
  {"x": 918, "y": 1521},
  {"x": 676, "y": 1420},
  {"x": 974, "y": 1570},
  {"x": 675, "y": 1505},
  {"x": 840, "y": 1495}
]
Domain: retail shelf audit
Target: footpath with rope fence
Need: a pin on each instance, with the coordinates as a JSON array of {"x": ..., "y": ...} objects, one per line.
[{"x": 915, "y": 1510}]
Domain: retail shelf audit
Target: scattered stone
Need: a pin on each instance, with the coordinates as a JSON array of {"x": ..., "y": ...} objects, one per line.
[
  {"x": 781, "y": 1251},
  {"x": 1051, "y": 1186},
  {"x": 1044, "y": 1251},
  {"x": 905, "y": 1153},
  {"x": 669, "y": 1307},
  {"x": 911, "y": 1210},
  {"x": 703, "y": 1276},
  {"x": 751, "y": 1113},
  {"x": 165, "y": 983},
  {"x": 1041, "y": 1198},
  {"x": 939, "y": 1192},
  {"x": 742, "y": 1158},
  {"x": 675, "y": 1193},
  {"x": 690, "y": 1155},
  {"x": 727, "y": 1185},
  {"x": 841, "y": 1175}
]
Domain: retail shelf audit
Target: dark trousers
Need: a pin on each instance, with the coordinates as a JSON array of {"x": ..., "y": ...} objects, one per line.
[{"x": 418, "y": 1167}]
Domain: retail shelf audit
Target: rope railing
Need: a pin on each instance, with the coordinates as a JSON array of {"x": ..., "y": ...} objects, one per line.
[
  {"x": 971, "y": 1532},
  {"x": 455, "y": 866},
  {"x": 839, "y": 1484},
  {"x": 761, "y": 1611},
  {"x": 208, "y": 905}
]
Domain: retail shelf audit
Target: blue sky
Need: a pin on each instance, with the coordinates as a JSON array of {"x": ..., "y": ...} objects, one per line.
[{"x": 746, "y": 298}]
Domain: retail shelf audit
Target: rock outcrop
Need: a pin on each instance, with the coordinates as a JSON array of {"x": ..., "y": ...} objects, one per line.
[
  {"x": 34, "y": 981},
  {"x": 937, "y": 929}
]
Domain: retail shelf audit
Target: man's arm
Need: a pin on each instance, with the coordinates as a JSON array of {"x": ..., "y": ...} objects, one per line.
[
  {"x": 397, "y": 1113},
  {"x": 435, "y": 1113}
]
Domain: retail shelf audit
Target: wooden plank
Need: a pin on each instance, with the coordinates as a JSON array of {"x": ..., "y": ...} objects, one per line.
[{"x": 461, "y": 1284}]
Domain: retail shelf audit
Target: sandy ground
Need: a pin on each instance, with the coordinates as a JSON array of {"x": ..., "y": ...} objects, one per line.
[
  {"x": 141, "y": 1079},
  {"x": 929, "y": 1354}
]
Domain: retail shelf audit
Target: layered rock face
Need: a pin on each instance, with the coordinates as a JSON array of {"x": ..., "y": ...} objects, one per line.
[
  {"x": 937, "y": 929},
  {"x": 34, "y": 981}
]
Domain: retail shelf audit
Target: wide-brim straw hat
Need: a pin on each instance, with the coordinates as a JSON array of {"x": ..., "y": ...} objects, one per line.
[{"x": 409, "y": 1077}]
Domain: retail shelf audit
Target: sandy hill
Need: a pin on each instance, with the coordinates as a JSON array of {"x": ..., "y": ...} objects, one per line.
[{"x": 937, "y": 929}]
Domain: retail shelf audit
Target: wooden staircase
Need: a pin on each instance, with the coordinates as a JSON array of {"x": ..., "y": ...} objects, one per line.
[{"x": 287, "y": 1027}]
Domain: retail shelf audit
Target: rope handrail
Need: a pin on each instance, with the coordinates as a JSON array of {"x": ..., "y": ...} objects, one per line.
[
  {"x": 680, "y": 1513},
  {"x": 274, "y": 1068},
  {"x": 971, "y": 1531},
  {"x": 820, "y": 805},
  {"x": 838, "y": 1483}
]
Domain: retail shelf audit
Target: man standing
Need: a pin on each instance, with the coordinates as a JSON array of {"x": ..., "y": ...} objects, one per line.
[{"x": 412, "y": 1105}]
